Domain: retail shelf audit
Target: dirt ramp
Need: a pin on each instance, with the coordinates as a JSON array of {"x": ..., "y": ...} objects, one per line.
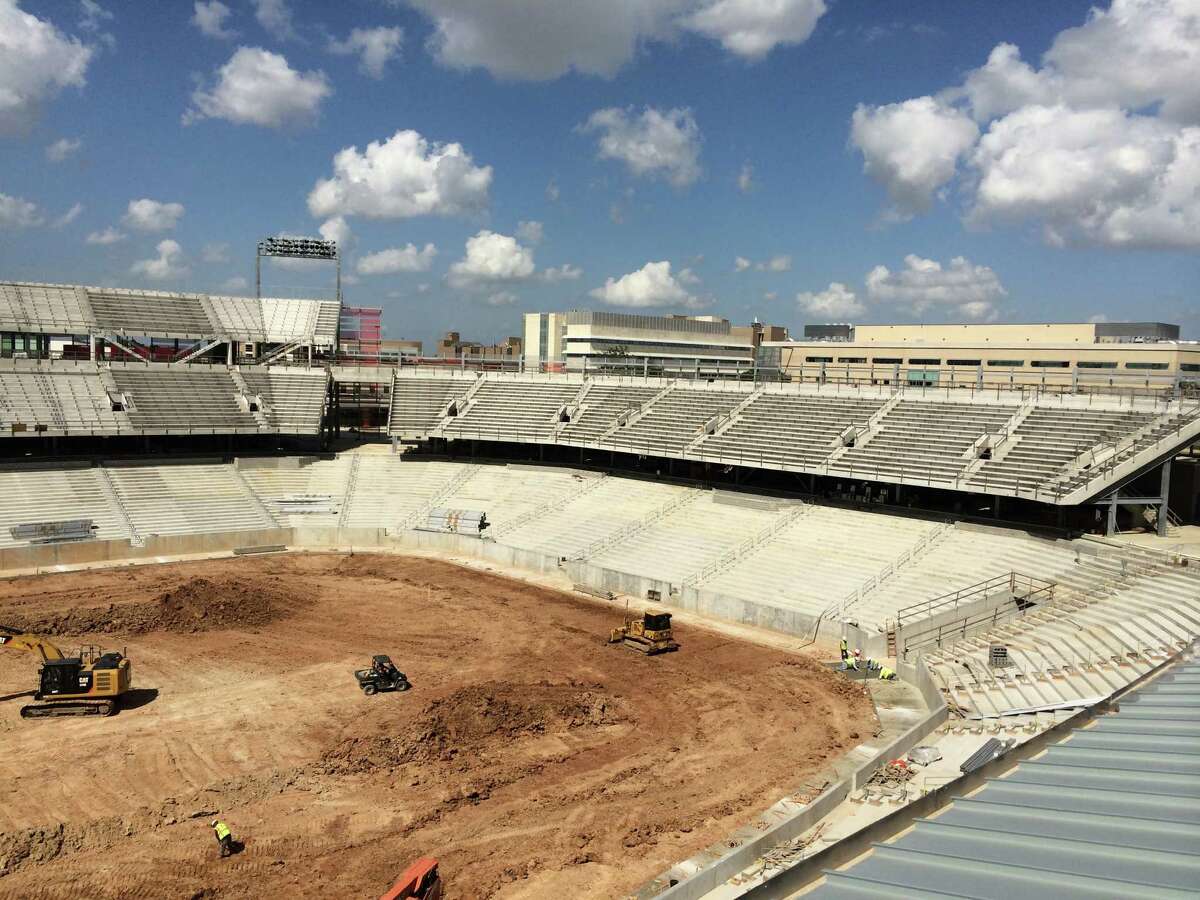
[
  {"x": 478, "y": 719},
  {"x": 198, "y": 604}
]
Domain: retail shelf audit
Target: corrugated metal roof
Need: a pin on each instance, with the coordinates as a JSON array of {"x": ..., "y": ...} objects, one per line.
[{"x": 1110, "y": 811}]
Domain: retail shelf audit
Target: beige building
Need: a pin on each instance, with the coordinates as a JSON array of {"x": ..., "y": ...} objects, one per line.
[
  {"x": 582, "y": 339},
  {"x": 1062, "y": 356}
]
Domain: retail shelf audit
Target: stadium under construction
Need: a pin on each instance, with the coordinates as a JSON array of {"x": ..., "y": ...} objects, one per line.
[{"x": 1021, "y": 557}]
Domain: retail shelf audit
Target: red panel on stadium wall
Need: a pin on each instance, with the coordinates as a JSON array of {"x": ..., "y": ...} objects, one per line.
[{"x": 360, "y": 331}]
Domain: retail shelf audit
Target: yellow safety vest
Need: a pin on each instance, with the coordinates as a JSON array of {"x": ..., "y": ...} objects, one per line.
[
  {"x": 885, "y": 673},
  {"x": 222, "y": 831},
  {"x": 845, "y": 647}
]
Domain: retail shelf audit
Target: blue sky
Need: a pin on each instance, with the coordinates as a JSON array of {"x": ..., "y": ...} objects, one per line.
[{"x": 971, "y": 184}]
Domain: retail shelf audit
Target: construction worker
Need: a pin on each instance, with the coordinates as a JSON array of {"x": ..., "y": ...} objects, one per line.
[
  {"x": 845, "y": 651},
  {"x": 852, "y": 663},
  {"x": 224, "y": 837},
  {"x": 886, "y": 674}
]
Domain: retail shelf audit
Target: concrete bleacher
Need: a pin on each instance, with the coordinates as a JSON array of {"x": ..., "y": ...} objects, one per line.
[
  {"x": 789, "y": 429},
  {"x": 820, "y": 558},
  {"x": 32, "y": 495},
  {"x": 609, "y": 507},
  {"x": 187, "y": 499},
  {"x": 601, "y": 406},
  {"x": 183, "y": 400},
  {"x": 293, "y": 400},
  {"x": 384, "y": 490},
  {"x": 417, "y": 403},
  {"x": 923, "y": 441},
  {"x": 512, "y": 410},
  {"x": 308, "y": 494},
  {"x": 1041, "y": 447},
  {"x": 145, "y": 313},
  {"x": 56, "y": 401},
  {"x": 673, "y": 421},
  {"x": 508, "y": 493},
  {"x": 45, "y": 308},
  {"x": 1077, "y": 650}
]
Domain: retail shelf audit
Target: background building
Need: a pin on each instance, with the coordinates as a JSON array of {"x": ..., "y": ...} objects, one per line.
[
  {"x": 1082, "y": 355},
  {"x": 611, "y": 341},
  {"x": 452, "y": 346}
]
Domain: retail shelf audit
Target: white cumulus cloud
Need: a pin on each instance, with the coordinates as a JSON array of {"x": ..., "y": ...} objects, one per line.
[
  {"x": 651, "y": 285},
  {"x": 337, "y": 229},
  {"x": 210, "y": 18},
  {"x": 374, "y": 46},
  {"x": 168, "y": 265},
  {"x": 961, "y": 287},
  {"x": 276, "y": 18},
  {"x": 109, "y": 235},
  {"x": 215, "y": 253},
  {"x": 36, "y": 62},
  {"x": 62, "y": 148},
  {"x": 152, "y": 215},
  {"x": 235, "y": 284},
  {"x": 408, "y": 258},
  {"x": 753, "y": 28},
  {"x": 1099, "y": 144},
  {"x": 491, "y": 259},
  {"x": 258, "y": 87},
  {"x": 69, "y": 216},
  {"x": 741, "y": 264},
  {"x": 912, "y": 148},
  {"x": 836, "y": 301},
  {"x": 401, "y": 177},
  {"x": 652, "y": 144},
  {"x": 565, "y": 272},
  {"x": 17, "y": 212}
]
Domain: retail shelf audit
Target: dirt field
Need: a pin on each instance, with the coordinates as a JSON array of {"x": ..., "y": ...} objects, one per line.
[{"x": 530, "y": 757}]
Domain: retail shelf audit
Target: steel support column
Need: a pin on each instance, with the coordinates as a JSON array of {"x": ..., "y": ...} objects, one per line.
[{"x": 1165, "y": 491}]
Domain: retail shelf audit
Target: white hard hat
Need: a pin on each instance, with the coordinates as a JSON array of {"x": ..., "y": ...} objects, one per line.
[{"x": 857, "y": 652}]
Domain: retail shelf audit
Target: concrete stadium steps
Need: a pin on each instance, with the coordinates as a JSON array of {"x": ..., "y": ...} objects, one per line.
[
  {"x": 674, "y": 420},
  {"x": 1165, "y": 426},
  {"x": 512, "y": 410},
  {"x": 295, "y": 399},
  {"x": 820, "y": 558},
  {"x": 416, "y": 403},
  {"x": 789, "y": 429},
  {"x": 686, "y": 540},
  {"x": 141, "y": 313},
  {"x": 186, "y": 499},
  {"x": 1073, "y": 656},
  {"x": 323, "y": 481},
  {"x": 1048, "y": 439},
  {"x": 56, "y": 495},
  {"x": 183, "y": 400},
  {"x": 387, "y": 489},
  {"x": 601, "y": 406},
  {"x": 68, "y": 401},
  {"x": 34, "y": 308},
  {"x": 612, "y": 507},
  {"x": 924, "y": 440},
  {"x": 510, "y": 492},
  {"x": 963, "y": 557}
]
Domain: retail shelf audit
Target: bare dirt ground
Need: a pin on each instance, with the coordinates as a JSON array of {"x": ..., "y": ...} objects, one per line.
[{"x": 530, "y": 757}]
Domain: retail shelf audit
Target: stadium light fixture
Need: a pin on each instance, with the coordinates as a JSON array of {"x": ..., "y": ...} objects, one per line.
[{"x": 297, "y": 248}]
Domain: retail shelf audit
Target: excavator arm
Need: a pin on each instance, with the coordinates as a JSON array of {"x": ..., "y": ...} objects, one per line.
[{"x": 16, "y": 639}]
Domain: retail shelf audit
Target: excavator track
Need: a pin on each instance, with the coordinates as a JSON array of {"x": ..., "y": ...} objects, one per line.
[{"x": 69, "y": 708}]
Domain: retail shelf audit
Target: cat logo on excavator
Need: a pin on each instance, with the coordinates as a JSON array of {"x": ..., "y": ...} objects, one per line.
[{"x": 648, "y": 633}]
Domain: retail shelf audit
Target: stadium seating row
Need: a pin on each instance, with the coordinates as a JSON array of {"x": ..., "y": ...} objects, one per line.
[
  {"x": 86, "y": 399},
  {"x": 1115, "y": 612},
  {"x": 77, "y": 310},
  {"x": 986, "y": 444}
]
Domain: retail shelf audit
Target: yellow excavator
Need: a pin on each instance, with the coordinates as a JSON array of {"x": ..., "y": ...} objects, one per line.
[{"x": 90, "y": 684}]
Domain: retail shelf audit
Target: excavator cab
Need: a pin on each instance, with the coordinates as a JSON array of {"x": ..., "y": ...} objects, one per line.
[{"x": 91, "y": 684}]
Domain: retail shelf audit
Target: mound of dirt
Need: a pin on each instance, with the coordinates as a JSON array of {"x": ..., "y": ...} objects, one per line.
[
  {"x": 477, "y": 718},
  {"x": 199, "y": 604}
]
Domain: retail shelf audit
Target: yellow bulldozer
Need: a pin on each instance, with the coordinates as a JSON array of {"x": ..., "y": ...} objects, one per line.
[
  {"x": 90, "y": 684},
  {"x": 648, "y": 633}
]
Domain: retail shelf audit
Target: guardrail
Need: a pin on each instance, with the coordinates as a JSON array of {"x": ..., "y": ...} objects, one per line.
[
  {"x": 1022, "y": 586},
  {"x": 890, "y": 569}
]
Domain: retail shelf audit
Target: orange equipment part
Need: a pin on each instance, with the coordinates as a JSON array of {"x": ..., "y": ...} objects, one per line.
[{"x": 419, "y": 881}]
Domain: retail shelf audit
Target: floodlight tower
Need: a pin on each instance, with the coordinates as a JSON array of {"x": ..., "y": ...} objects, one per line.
[{"x": 296, "y": 248}]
